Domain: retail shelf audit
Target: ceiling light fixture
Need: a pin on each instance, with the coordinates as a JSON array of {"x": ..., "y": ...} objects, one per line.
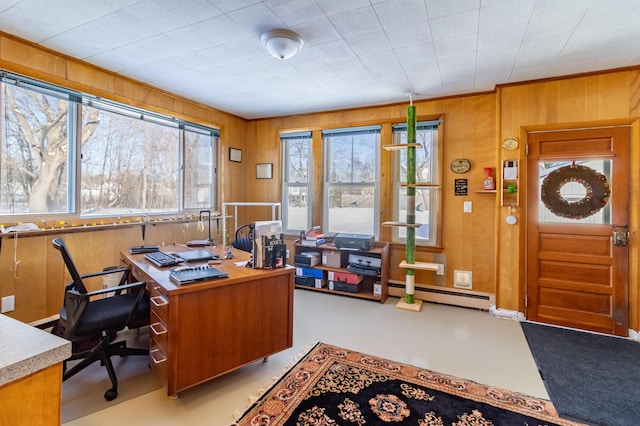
[{"x": 282, "y": 44}]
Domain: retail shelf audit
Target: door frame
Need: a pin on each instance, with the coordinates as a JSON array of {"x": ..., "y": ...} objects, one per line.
[{"x": 633, "y": 287}]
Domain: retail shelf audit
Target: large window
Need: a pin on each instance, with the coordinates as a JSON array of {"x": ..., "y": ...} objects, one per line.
[
  {"x": 68, "y": 153},
  {"x": 426, "y": 198},
  {"x": 351, "y": 173},
  {"x": 296, "y": 187}
]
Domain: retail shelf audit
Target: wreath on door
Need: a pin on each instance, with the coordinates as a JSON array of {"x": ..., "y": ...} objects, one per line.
[{"x": 595, "y": 184}]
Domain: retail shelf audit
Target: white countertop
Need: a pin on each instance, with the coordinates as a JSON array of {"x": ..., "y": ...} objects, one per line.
[{"x": 25, "y": 349}]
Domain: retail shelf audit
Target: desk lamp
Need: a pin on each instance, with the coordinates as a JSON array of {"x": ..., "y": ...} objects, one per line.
[{"x": 207, "y": 242}]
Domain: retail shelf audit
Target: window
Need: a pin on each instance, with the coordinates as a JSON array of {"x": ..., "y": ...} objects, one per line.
[
  {"x": 426, "y": 198},
  {"x": 296, "y": 185},
  {"x": 125, "y": 161},
  {"x": 36, "y": 149},
  {"x": 351, "y": 159}
]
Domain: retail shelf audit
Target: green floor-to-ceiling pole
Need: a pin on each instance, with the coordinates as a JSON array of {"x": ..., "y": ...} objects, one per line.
[{"x": 411, "y": 203}]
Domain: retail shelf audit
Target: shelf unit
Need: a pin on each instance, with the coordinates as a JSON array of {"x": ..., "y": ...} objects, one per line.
[{"x": 366, "y": 287}]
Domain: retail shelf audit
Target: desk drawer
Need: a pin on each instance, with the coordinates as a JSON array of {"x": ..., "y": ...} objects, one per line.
[
  {"x": 159, "y": 300},
  {"x": 158, "y": 361},
  {"x": 158, "y": 332}
]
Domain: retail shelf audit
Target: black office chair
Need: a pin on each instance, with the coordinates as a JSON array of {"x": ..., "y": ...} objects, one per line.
[
  {"x": 244, "y": 238},
  {"x": 91, "y": 319}
]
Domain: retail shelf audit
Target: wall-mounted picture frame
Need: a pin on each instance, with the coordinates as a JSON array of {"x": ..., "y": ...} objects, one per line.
[
  {"x": 264, "y": 171},
  {"x": 235, "y": 155}
]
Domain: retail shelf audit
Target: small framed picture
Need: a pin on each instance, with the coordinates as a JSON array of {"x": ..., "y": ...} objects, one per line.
[
  {"x": 235, "y": 155},
  {"x": 264, "y": 171}
]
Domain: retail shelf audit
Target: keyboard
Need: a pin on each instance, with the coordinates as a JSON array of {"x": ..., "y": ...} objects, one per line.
[{"x": 160, "y": 258}]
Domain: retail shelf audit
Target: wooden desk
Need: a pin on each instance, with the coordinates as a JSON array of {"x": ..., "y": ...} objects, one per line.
[{"x": 200, "y": 331}]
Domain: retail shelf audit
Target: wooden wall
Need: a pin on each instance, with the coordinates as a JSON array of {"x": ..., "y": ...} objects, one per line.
[
  {"x": 473, "y": 128},
  {"x": 586, "y": 101},
  {"x": 39, "y": 277},
  {"x": 469, "y": 131}
]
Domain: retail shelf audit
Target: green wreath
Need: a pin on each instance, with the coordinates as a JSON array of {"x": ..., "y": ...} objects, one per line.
[{"x": 594, "y": 182}]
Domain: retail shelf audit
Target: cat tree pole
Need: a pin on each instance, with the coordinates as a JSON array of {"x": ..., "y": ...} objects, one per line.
[
  {"x": 409, "y": 264},
  {"x": 409, "y": 302}
]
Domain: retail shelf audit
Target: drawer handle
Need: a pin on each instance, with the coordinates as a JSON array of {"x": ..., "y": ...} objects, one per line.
[
  {"x": 159, "y": 301},
  {"x": 162, "y": 328},
  {"x": 158, "y": 360}
]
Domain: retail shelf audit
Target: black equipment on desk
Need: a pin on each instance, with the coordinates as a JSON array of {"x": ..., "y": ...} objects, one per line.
[
  {"x": 143, "y": 249},
  {"x": 160, "y": 258},
  {"x": 188, "y": 275},
  {"x": 196, "y": 255},
  {"x": 353, "y": 241}
]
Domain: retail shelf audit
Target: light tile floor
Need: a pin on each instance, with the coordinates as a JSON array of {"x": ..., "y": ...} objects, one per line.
[{"x": 463, "y": 342}]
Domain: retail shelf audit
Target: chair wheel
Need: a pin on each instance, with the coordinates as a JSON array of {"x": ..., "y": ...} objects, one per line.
[{"x": 110, "y": 395}]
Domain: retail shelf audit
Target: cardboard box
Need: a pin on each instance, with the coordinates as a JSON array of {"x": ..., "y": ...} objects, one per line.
[
  {"x": 305, "y": 281},
  {"x": 346, "y": 277},
  {"x": 335, "y": 258},
  {"x": 342, "y": 286},
  {"x": 306, "y": 258},
  {"x": 309, "y": 272}
]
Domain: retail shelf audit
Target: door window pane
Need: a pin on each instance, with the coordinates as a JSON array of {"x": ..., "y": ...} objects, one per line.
[{"x": 565, "y": 193}]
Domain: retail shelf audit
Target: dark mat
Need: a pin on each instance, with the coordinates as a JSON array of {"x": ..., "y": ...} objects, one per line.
[{"x": 590, "y": 377}]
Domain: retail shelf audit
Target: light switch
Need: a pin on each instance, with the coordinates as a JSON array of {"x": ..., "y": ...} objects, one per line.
[{"x": 467, "y": 207}]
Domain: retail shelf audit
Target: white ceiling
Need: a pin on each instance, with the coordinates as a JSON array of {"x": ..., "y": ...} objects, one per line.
[{"x": 356, "y": 52}]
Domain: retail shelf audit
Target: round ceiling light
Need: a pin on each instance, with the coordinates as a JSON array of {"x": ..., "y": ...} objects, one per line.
[{"x": 282, "y": 44}]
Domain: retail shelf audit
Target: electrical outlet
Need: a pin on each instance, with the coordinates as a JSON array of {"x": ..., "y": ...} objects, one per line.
[
  {"x": 8, "y": 304},
  {"x": 440, "y": 270},
  {"x": 287, "y": 253}
]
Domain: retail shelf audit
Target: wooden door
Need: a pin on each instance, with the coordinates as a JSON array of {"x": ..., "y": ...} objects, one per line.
[{"x": 577, "y": 228}]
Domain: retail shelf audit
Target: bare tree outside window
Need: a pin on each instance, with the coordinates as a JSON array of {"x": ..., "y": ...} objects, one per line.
[{"x": 129, "y": 161}]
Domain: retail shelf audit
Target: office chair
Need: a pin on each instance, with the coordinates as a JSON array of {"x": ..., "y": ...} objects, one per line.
[
  {"x": 244, "y": 238},
  {"x": 91, "y": 319}
]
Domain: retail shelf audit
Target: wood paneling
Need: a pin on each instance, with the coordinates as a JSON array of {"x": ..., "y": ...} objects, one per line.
[
  {"x": 588, "y": 101},
  {"x": 33, "y": 400},
  {"x": 469, "y": 131},
  {"x": 474, "y": 127}
]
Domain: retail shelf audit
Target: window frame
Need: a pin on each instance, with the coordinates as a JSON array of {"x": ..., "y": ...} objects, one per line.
[
  {"x": 374, "y": 184},
  {"x": 285, "y": 137},
  {"x": 77, "y": 101},
  {"x": 435, "y": 208}
]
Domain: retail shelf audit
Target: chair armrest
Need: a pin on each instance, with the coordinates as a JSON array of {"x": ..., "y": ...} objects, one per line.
[
  {"x": 109, "y": 271},
  {"x": 108, "y": 289}
]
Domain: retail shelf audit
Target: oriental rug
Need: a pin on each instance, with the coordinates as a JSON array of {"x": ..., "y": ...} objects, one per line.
[{"x": 335, "y": 386}]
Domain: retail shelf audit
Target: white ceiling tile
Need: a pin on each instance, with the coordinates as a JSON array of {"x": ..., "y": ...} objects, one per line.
[
  {"x": 256, "y": 19},
  {"x": 295, "y": 12},
  {"x": 517, "y": 12},
  {"x": 549, "y": 9},
  {"x": 438, "y": 8},
  {"x": 401, "y": 14},
  {"x": 356, "y": 52},
  {"x": 191, "y": 11},
  {"x": 356, "y": 22},
  {"x": 460, "y": 24},
  {"x": 333, "y": 7},
  {"x": 332, "y": 50},
  {"x": 231, "y": 5},
  {"x": 368, "y": 43},
  {"x": 317, "y": 32}
]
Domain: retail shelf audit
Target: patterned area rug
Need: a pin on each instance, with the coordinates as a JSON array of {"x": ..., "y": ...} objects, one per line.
[{"x": 336, "y": 386}]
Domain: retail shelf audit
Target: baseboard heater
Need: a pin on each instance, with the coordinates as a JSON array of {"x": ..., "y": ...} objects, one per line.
[{"x": 446, "y": 295}]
